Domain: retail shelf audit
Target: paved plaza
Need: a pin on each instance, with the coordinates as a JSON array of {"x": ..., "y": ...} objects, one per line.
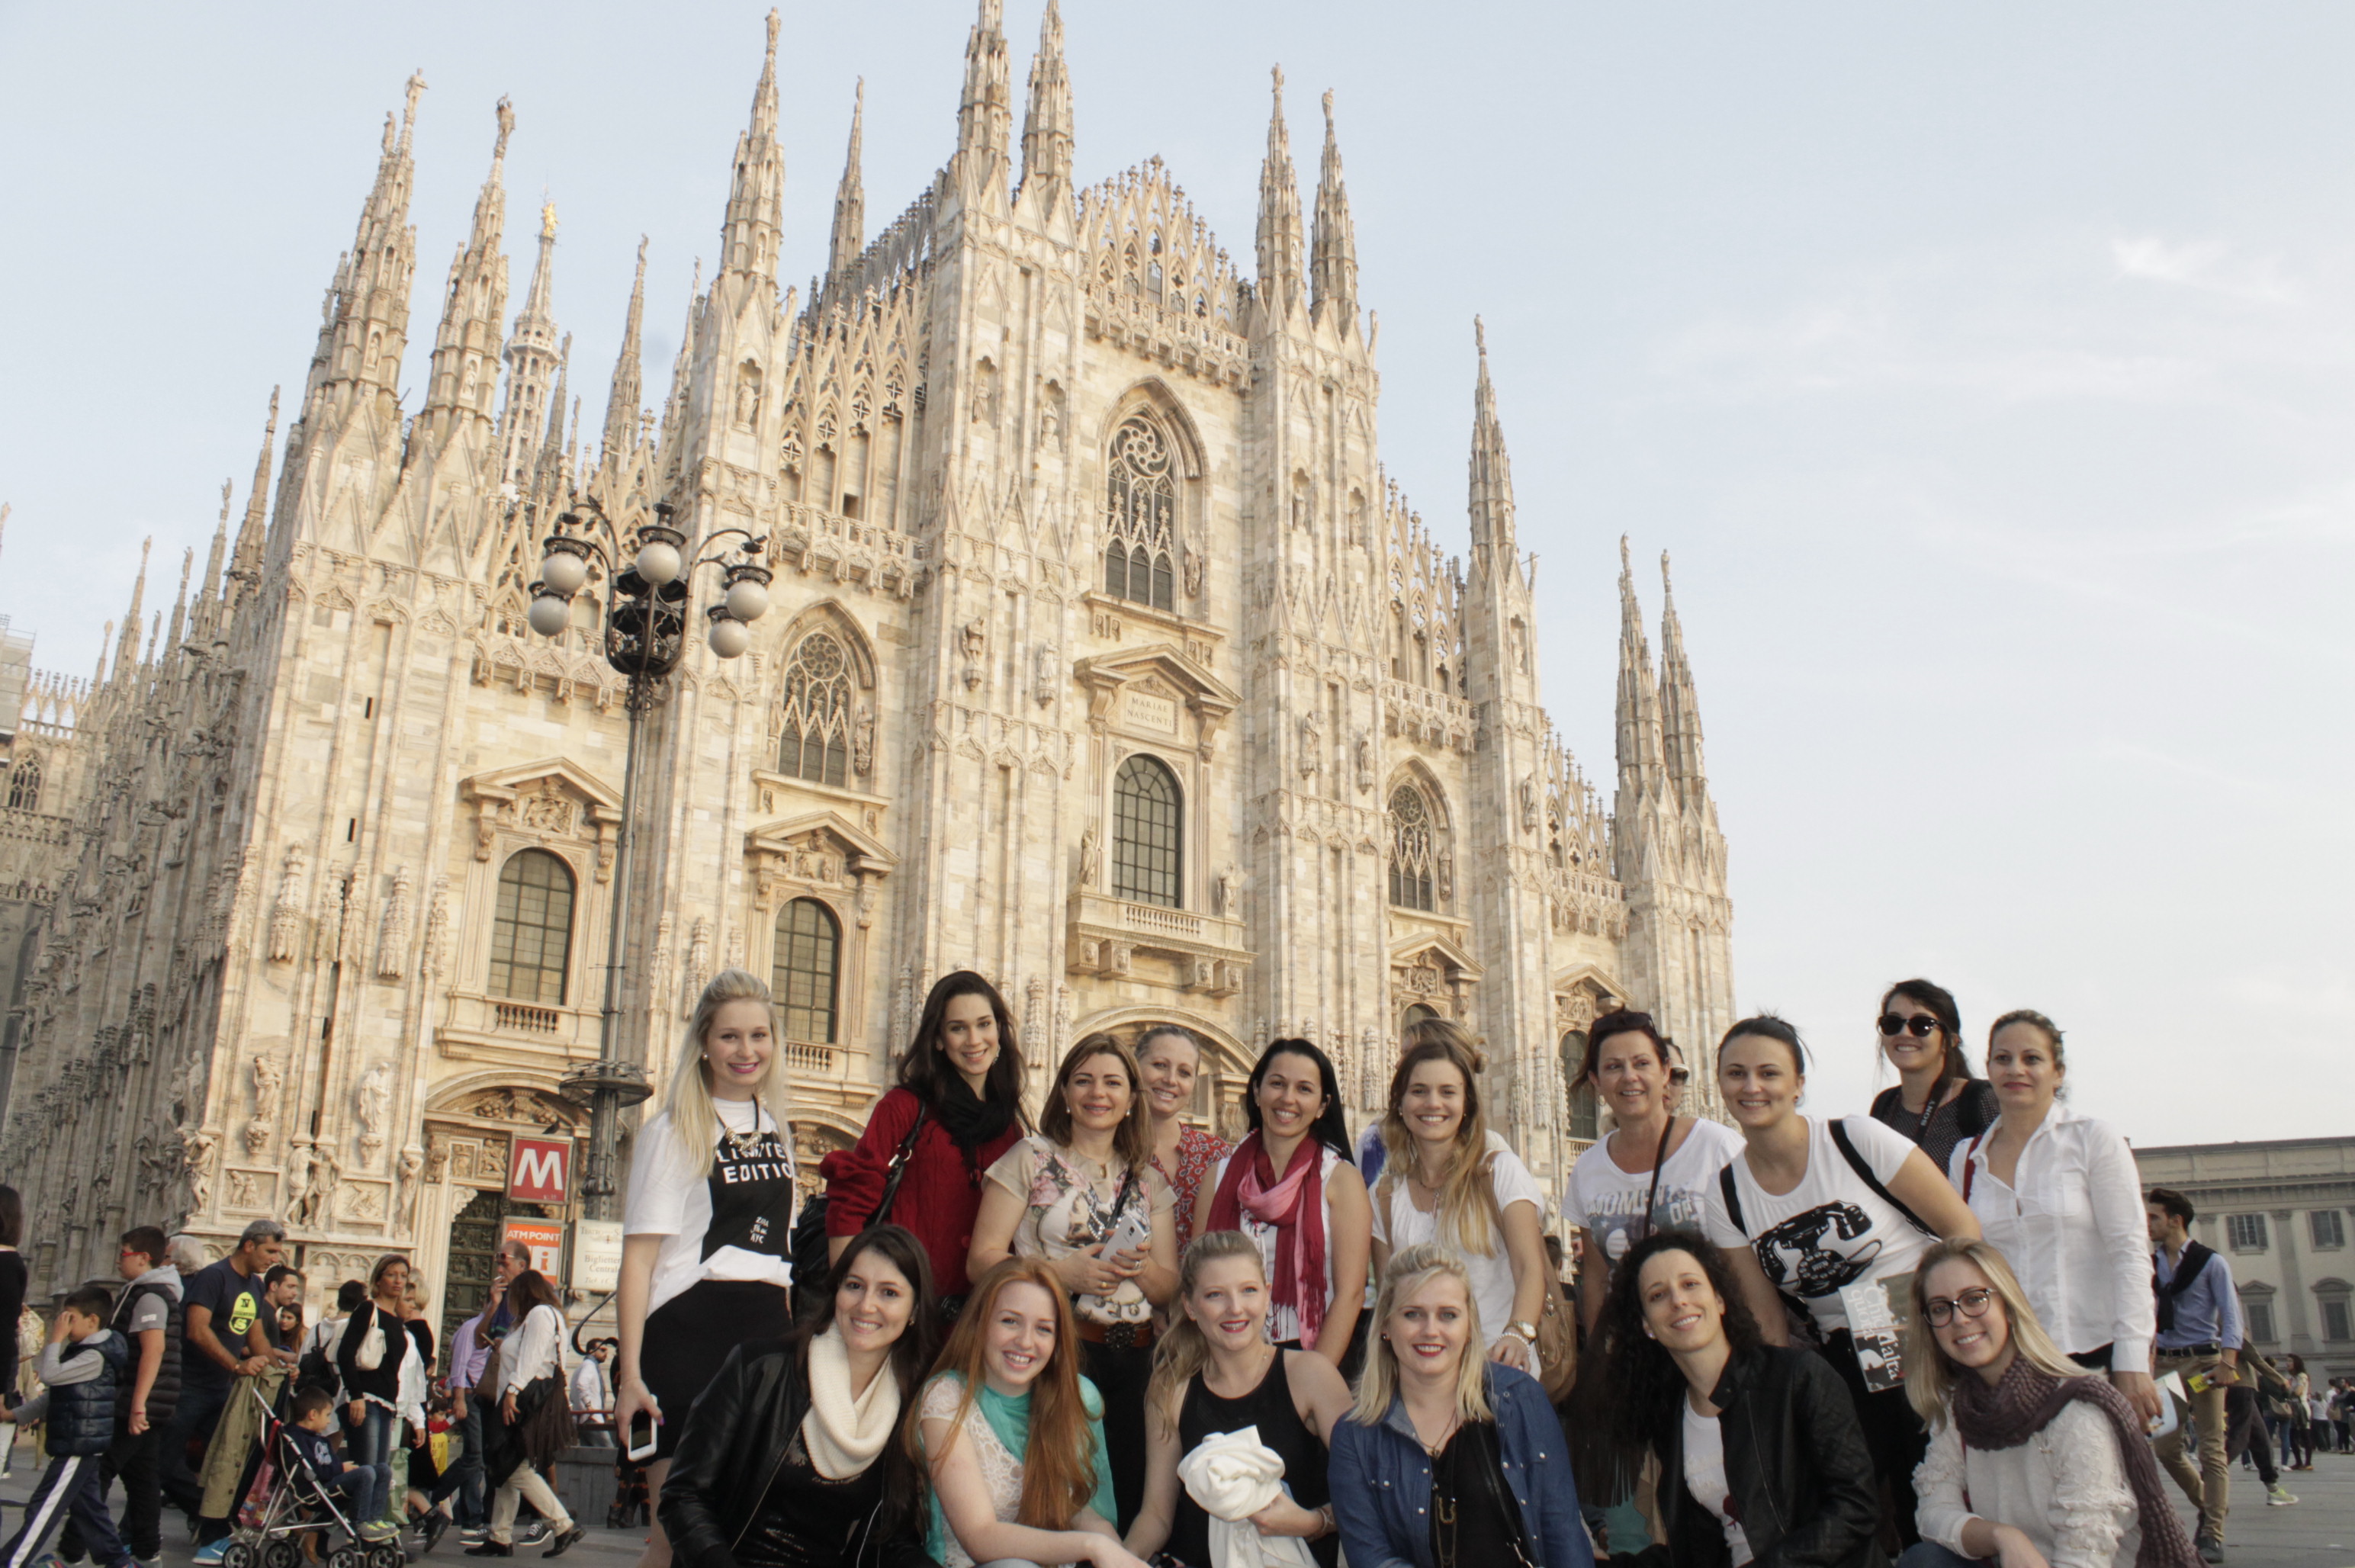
[{"x": 2319, "y": 1532}]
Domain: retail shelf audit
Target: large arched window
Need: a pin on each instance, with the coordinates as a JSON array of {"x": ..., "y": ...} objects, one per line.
[
  {"x": 531, "y": 938},
  {"x": 1140, "y": 514},
  {"x": 814, "y": 728},
  {"x": 1413, "y": 854},
  {"x": 804, "y": 975},
  {"x": 25, "y": 785},
  {"x": 1145, "y": 833}
]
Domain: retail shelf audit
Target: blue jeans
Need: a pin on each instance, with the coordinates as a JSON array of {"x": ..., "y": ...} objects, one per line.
[
  {"x": 465, "y": 1476},
  {"x": 195, "y": 1415},
  {"x": 1930, "y": 1554},
  {"x": 371, "y": 1443},
  {"x": 366, "y": 1485}
]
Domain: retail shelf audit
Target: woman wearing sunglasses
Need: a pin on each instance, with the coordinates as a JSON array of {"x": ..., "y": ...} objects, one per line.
[
  {"x": 2032, "y": 1461},
  {"x": 2059, "y": 1193},
  {"x": 1935, "y": 1102}
]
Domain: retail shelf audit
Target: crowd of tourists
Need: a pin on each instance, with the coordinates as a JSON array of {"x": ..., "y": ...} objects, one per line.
[{"x": 1953, "y": 1329}]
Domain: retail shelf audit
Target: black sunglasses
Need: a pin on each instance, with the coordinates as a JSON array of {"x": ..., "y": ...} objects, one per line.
[{"x": 1919, "y": 1025}]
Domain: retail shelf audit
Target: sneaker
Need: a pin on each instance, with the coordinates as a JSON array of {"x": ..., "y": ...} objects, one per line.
[
  {"x": 566, "y": 1541},
  {"x": 436, "y": 1521},
  {"x": 2279, "y": 1496},
  {"x": 474, "y": 1534},
  {"x": 210, "y": 1556},
  {"x": 531, "y": 1534},
  {"x": 2212, "y": 1550}
]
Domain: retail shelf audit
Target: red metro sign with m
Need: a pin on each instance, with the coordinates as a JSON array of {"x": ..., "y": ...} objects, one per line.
[{"x": 540, "y": 1170}]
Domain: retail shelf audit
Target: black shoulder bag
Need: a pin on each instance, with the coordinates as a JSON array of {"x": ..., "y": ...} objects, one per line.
[{"x": 812, "y": 1268}]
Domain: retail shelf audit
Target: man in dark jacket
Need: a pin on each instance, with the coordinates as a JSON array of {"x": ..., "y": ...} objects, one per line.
[
  {"x": 148, "y": 1317},
  {"x": 77, "y": 1369}
]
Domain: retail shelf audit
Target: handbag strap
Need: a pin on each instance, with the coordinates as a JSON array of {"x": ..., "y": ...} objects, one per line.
[
  {"x": 898, "y": 1169},
  {"x": 1856, "y": 1162},
  {"x": 1659, "y": 1160}
]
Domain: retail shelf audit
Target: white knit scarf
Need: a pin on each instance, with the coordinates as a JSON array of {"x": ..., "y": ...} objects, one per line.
[{"x": 845, "y": 1433}]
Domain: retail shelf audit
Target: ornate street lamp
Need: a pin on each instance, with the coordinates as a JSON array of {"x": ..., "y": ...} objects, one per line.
[{"x": 645, "y": 633}]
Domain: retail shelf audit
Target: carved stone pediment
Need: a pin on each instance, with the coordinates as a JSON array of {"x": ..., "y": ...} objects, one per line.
[
  {"x": 816, "y": 849},
  {"x": 1432, "y": 969},
  {"x": 544, "y": 801},
  {"x": 1154, "y": 675},
  {"x": 1584, "y": 994}
]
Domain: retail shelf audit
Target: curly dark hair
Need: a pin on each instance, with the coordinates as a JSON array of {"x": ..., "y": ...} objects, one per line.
[{"x": 1629, "y": 1388}]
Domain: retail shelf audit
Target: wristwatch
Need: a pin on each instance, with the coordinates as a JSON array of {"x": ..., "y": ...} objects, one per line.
[{"x": 1528, "y": 1331}]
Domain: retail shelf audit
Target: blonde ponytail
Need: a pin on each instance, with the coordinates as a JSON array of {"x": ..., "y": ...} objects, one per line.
[{"x": 1178, "y": 1354}]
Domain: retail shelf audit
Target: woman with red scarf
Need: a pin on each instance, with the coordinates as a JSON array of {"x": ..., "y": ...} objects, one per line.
[{"x": 1292, "y": 1187}]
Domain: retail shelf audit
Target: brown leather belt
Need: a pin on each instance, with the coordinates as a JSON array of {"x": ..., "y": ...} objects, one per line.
[{"x": 1116, "y": 1336}]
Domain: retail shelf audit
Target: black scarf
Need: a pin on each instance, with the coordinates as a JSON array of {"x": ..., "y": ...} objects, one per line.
[{"x": 969, "y": 1119}]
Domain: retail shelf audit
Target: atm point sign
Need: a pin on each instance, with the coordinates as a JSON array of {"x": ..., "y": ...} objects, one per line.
[{"x": 540, "y": 1170}]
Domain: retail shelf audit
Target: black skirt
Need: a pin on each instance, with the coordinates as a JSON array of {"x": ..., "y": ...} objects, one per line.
[{"x": 688, "y": 1336}]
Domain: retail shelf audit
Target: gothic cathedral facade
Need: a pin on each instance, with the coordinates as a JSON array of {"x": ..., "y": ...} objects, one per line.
[{"x": 1104, "y": 659}]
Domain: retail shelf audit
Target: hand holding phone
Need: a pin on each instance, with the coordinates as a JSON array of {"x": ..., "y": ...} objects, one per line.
[
  {"x": 1133, "y": 1234},
  {"x": 641, "y": 1440}
]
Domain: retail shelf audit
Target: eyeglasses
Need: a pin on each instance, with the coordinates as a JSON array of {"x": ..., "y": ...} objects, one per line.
[
  {"x": 1972, "y": 1303},
  {"x": 1919, "y": 1026}
]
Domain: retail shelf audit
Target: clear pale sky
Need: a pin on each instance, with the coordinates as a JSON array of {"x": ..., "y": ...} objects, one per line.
[{"x": 1989, "y": 371}]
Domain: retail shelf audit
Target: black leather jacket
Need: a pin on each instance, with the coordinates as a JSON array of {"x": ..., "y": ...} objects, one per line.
[
  {"x": 734, "y": 1440},
  {"x": 1798, "y": 1477}
]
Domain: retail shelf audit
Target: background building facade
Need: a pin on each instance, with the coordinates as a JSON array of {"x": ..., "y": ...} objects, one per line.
[
  {"x": 1104, "y": 659},
  {"x": 2280, "y": 1213}
]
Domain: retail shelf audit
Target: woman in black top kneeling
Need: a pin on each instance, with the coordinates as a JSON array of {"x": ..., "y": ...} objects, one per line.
[
  {"x": 801, "y": 1454},
  {"x": 1761, "y": 1458},
  {"x": 1214, "y": 1371}
]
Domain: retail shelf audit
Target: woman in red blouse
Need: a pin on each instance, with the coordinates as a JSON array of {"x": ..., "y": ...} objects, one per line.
[
  {"x": 1168, "y": 1057},
  {"x": 960, "y": 1091}
]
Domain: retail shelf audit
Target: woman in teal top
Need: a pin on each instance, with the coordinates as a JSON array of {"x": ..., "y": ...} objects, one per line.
[{"x": 1013, "y": 1435}]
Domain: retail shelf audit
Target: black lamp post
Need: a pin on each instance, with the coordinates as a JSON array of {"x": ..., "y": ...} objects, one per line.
[{"x": 645, "y": 635}]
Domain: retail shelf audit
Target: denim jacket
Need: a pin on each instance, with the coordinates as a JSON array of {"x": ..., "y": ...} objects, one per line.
[{"x": 1380, "y": 1477}]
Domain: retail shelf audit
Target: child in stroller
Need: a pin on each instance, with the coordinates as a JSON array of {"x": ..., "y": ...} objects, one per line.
[{"x": 311, "y": 1497}]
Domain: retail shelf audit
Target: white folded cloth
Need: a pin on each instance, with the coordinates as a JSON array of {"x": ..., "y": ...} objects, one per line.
[{"x": 1231, "y": 1476}]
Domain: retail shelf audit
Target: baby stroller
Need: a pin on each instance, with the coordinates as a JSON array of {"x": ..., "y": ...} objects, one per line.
[{"x": 286, "y": 1511}]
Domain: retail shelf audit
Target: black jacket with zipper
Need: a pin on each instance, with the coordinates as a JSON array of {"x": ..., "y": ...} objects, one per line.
[
  {"x": 1798, "y": 1477},
  {"x": 732, "y": 1445}
]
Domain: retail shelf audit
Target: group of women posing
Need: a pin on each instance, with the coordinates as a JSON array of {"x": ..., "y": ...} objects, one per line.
[
  {"x": 1115, "y": 1288},
  {"x": 1948, "y": 1299},
  {"x": 1153, "y": 1337}
]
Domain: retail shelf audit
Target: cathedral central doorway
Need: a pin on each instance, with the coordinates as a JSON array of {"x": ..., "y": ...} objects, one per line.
[{"x": 473, "y": 1253}]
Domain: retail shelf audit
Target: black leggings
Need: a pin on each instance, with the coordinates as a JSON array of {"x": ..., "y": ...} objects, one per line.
[
  {"x": 1121, "y": 1376},
  {"x": 2244, "y": 1433},
  {"x": 1892, "y": 1430}
]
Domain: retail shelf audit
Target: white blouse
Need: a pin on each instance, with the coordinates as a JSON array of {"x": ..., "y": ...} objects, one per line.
[
  {"x": 2065, "y": 1488},
  {"x": 534, "y": 1351},
  {"x": 2071, "y": 1224}
]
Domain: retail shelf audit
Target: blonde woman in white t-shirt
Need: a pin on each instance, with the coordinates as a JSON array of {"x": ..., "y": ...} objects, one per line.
[
  {"x": 707, "y": 1233},
  {"x": 1442, "y": 1181}
]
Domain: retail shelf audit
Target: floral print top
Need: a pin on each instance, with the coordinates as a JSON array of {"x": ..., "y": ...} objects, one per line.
[
  {"x": 1069, "y": 1206},
  {"x": 1198, "y": 1154}
]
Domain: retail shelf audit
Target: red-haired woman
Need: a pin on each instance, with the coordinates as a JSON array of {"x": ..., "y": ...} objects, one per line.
[{"x": 1013, "y": 1433}]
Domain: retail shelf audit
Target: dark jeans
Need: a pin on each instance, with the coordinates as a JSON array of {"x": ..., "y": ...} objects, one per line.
[
  {"x": 2244, "y": 1433},
  {"x": 1892, "y": 1430},
  {"x": 465, "y": 1476},
  {"x": 365, "y": 1487},
  {"x": 198, "y": 1412},
  {"x": 132, "y": 1459},
  {"x": 1121, "y": 1376}
]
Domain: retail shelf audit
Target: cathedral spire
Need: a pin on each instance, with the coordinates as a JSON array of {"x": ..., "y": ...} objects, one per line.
[
  {"x": 849, "y": 204},
  {"x": 549, "y": 455},
  {"x": 1046, "y": 126},
  {"x": 1333, "y": 266},
  {"x": 682, "y": 368},
  {"x": 1492, "y": 469},
  {"x": 180, "y": 604},
  {"x": 1279, "y": 214},
  {"x": 465, "y": 376},
  {"x": 986, "y": 111},
  {"x": 252, "y": 538},
  {"x": 126, "y": 651},
  {"x": 1639, "y": 741},
  {"x": 627, "y": 394},
  {"x": 1680, "y": 706},
  {"x": 361, "y": 342},
  {"x": 531, "y": 357},
  {"x": 748, "y": 238}
]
